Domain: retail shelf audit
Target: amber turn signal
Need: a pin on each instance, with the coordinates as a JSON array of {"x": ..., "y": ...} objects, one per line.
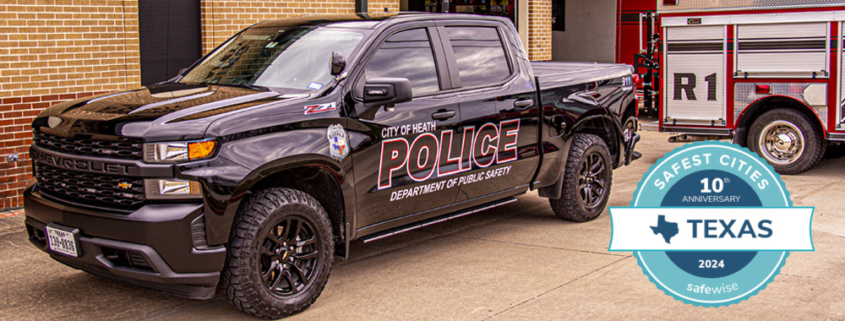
[{"x": 201, "y": 149}]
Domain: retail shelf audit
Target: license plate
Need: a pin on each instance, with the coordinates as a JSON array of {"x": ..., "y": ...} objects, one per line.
[{"x": 62, "y": 241}]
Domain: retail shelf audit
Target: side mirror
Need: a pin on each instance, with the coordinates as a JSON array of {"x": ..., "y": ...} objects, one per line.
[
  {"x": 386, "y": 92},
  {"x": 338, "y": 63}
]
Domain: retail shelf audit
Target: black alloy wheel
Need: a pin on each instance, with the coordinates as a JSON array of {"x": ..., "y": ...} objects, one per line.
[
  {"x": 587, "y": 180},
  {"x": 592, "y": 180},
  {"x": 288, "y": 256},
  {"x": 280, "y": 253}
]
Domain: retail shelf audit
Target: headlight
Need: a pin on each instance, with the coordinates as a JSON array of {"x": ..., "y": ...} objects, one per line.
[
  {"x": 163, "y": 189},
  {"x": 177, "y": 152}
]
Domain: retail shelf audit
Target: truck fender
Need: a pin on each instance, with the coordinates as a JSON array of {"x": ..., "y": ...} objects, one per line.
[
  {"x": 603, "y": 123},
  {"x": 270, "y": 158},
  {"x": 593, "y": 123}
]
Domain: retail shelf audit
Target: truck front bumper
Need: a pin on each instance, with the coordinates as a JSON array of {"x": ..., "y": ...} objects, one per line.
[{"x": 158, "y": 246}]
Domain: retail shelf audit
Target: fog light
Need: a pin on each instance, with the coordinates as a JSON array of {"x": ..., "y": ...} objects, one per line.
[{"x": 157, "y": 189}]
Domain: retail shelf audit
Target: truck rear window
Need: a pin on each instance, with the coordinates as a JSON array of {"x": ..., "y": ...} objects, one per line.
[{"x": 480, "y": 55}]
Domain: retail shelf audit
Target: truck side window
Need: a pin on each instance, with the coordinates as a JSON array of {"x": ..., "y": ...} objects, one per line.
[
  {"x": 407, "y": 54},
  {"x": 480, "y": 55}
]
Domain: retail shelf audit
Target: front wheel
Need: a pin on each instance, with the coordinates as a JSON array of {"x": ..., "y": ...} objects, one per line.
[
  {"x": 587, "y": 180},
  {"x": 787, "y": 140},
  {"x": 280, "y": 254}
]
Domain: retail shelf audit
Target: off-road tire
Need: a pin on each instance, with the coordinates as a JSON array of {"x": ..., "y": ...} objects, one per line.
[
  {"x": 813, "y": 144},
  {"x": 241, "y": 279},
  {"x": 571, "y": 205}
]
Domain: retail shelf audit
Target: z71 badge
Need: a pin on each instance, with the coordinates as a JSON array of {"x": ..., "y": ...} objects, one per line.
[
  {"x": 315, "y": 109},
  {"x": 338, "y": 144}
]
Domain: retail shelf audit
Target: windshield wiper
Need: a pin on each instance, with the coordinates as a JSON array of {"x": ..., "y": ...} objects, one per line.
[{"x": 243, "y": 85}]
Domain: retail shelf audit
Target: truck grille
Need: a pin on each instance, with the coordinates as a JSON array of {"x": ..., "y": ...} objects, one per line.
[
  {"x": 98, "y": 190},
  {"x": 126, "y": 148}
]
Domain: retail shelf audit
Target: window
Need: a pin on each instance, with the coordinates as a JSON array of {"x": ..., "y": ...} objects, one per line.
[
  {"x": 480, "y": 55},
  {"x": 406, "y": 54},
  {"x": 292, "y": 58}
]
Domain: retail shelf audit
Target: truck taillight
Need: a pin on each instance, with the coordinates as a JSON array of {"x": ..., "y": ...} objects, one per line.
[{"x": 637, "y": 80}]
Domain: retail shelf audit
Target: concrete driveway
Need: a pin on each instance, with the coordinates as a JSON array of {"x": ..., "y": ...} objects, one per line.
[{"x": 516, "y": 262}]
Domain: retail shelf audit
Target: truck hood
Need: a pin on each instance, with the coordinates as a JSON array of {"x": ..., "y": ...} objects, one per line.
[{"x": 163, "y": 111}]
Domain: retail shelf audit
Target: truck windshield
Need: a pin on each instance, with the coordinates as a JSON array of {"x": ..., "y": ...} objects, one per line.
[{"x": 290, "y": 58}]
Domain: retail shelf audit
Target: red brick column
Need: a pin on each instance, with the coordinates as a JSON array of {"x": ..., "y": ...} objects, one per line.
[{"x": 16, "y": 115}]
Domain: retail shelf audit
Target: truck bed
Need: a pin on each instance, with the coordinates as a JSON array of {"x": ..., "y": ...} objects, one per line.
[{"x": 557, "y": 74}]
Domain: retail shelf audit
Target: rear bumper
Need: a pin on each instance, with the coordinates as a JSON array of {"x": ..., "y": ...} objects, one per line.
[{"x": 152, "y": 247}]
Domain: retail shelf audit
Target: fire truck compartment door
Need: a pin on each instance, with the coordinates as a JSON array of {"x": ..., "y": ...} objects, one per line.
[{"x": 694, "y": 76}]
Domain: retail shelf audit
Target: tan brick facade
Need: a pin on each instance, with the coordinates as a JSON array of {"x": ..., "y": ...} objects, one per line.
[
  {"x": 55, "y": 50},
  {"x": 51, "y": 51},
  {"x": 222, "y": 19},
  {"x": 540, "y": 30},
  {"x": 379, "y": 5}
]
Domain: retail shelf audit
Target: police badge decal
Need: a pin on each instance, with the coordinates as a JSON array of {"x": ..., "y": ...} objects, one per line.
[
  {"x": 338, "y": 143},
  {"x": 711, "y": 224}
]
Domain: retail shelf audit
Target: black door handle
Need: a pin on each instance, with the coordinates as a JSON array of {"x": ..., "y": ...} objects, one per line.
[
  {"x": 443, "y": 114},
  {"x": 523, "y": 103}
]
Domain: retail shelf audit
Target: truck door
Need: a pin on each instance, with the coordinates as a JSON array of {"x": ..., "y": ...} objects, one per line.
[
  {"x": 694, "y": 76},
  {"x": 403, "y": 168},
  {"x": 497, "y": 110}
]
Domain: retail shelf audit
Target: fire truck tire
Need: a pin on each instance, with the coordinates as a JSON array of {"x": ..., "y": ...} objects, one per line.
[
  {"x": 280, "y": 254},
  {"x": 787, "y": 140},
  {"x": 587, "y": 180}
]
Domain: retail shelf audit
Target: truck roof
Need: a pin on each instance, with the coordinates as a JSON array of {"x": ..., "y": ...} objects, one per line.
[{"x": 370, "y": 20}]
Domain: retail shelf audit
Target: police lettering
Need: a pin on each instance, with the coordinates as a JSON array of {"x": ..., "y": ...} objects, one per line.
[{"x": 428, "y": 156}]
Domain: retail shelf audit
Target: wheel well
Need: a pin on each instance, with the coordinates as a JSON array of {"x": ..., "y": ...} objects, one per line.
[
  {"x": 630, "y": 111},
  {"x": 758, "y": 108},
  {"x": 317, "y": 181},
  {"x": 605, "y": 129}
]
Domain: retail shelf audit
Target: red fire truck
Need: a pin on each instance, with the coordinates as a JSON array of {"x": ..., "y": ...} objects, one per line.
[{"x": 764, "y": 73}]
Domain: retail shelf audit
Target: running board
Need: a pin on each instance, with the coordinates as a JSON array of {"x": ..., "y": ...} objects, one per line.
[{"x": 439, "y": 219}]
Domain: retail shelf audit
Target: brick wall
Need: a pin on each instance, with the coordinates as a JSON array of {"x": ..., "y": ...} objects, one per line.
[
  {"x": 222, "y": 19},
  {"x": 540, "y": 30},
  {"x": 379, "y": 5},
  {"x": 51, "y": 51}
]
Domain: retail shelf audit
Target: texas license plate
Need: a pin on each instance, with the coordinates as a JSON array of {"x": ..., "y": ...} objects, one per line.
[{"x": 62, "y": 241}]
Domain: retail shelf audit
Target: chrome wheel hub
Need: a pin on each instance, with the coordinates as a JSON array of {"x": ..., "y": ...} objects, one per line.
[{"x": 781, "y": 142}]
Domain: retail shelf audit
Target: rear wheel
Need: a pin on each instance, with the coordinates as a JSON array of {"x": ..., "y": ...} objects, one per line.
[
  {"x": 587, "y": 181},
  {"x": 787, "y": 140},
  {"x": 280, "y": 254}
]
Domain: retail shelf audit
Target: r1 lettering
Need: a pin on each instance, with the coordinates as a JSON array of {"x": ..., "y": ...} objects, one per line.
[{"x": 685, "y": 85}]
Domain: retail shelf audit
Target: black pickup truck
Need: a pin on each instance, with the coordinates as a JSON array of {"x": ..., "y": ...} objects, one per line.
[{"x": 259, "y": 164}]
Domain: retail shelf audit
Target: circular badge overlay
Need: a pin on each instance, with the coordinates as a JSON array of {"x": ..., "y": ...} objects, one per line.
[{"x": 712, "y": 177}]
